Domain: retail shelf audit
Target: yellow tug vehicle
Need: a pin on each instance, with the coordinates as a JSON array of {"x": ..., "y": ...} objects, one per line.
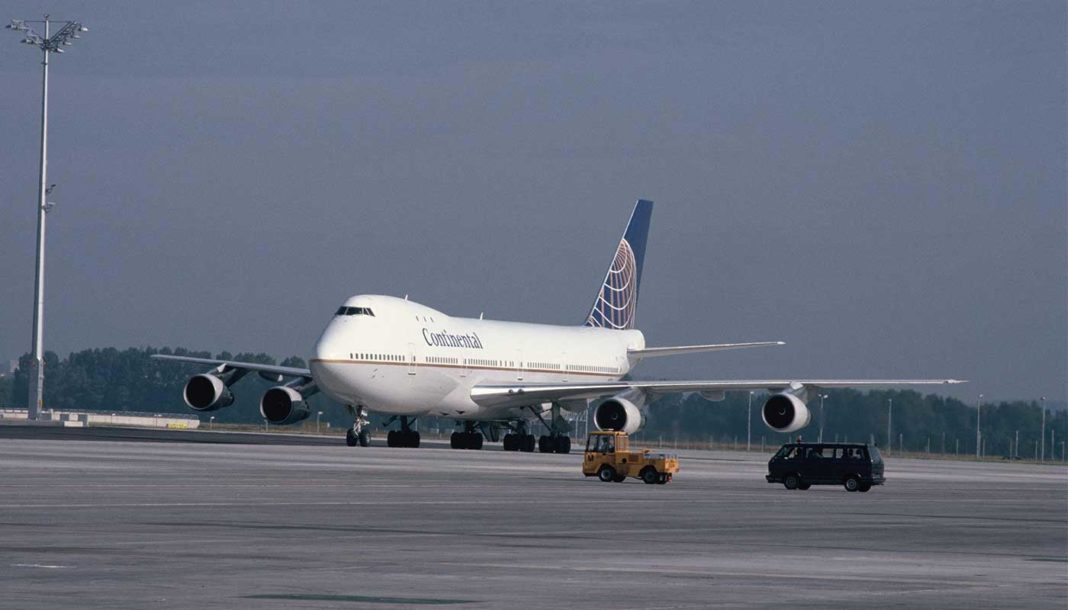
[{"x": 609, "y": 458}]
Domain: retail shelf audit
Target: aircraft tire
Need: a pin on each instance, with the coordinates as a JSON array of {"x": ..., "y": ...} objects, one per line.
[
  {"x": 364, "y": 438},
  {"x": 476, "y": 441},
  {"x": 563, "y": 444},
  {"x": 456, "y": 440},
  {"x": 527, "y": 443},
  {"x": 391, "y": 438},
  {"x": 350, "y": 438},
  {"x": 413, "y": 440},
  {"x": 509, "y": 442},
  {"x": 545, "y": 444}
]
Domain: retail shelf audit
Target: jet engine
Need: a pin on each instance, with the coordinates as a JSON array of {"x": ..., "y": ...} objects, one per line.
[
  {"x": 786, "y": 413},
  {"x": 207, "y": 392},
  {"x": 618, "y": 414},
  {"x": 282, "y": 405}
]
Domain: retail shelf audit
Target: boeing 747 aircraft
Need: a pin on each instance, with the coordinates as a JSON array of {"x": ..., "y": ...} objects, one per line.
[{"x": 397, "y": 357}]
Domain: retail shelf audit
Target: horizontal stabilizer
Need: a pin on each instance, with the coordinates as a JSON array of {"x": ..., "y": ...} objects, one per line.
[{"x": 650, "y": 352}]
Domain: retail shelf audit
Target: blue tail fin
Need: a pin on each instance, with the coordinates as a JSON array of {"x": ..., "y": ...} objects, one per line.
[{"x": 617, "y": 301}]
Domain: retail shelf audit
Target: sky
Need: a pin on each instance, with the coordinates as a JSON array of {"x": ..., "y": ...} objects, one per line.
[{"x": 880, "y": 185}]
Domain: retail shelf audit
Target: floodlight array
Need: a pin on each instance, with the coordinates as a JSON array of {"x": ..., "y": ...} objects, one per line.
[{"x": 54, "y": 43}]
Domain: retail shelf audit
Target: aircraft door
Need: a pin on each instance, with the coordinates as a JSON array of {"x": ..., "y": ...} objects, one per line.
[
  {"x": 411, "y": 359},
  {"x": 519, "y": 365}
]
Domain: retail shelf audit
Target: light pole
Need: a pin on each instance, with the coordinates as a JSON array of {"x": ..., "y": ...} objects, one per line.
[
  {"x": 822, "y": 398},
  {"x": 749, "y": 422},
  {"x": 889, "y": 425},
  {"x": 211, "y": 423},
  {"x": 49, "y": 43},
  {"x": 317, "y": 416},
  {"x": 978, "y": 435},
  {"x": 1042, "y": 449}
]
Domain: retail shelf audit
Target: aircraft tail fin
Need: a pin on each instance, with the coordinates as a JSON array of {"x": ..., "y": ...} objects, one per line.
[{"x": 617, "y": 301}]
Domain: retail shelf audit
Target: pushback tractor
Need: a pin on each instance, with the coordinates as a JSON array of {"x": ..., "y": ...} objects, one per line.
[{"x": 610, "y": 458}]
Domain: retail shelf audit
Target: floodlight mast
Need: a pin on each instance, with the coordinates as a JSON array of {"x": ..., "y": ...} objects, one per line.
[{"x": 48, "y": 44}]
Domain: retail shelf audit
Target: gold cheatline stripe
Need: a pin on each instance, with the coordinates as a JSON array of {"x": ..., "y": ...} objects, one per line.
[{"x": 455, "y": 366}]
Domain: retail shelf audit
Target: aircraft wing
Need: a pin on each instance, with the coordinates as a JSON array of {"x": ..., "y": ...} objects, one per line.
[
  {"x": 521, "y": 394},
  {"x": 269, "y": 369},
  {"x": 650, "y": 352}
]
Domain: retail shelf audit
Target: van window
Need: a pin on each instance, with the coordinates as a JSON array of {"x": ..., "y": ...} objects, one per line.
[{"x": 815, "y": 453}]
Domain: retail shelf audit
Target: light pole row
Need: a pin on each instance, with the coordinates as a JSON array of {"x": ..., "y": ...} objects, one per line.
[{"x": 47, "y": 43}]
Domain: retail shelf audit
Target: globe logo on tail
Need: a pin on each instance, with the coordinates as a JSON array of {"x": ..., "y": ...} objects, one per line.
[{"x": 618, "y": 300}]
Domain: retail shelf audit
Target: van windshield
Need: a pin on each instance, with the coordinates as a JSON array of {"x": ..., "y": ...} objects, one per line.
[
  {"x": 874, "y": 451},
  {"x": 787, "y": 452}
]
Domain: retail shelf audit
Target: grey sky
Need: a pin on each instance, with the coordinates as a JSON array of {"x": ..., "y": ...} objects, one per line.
[{"x": 881, "y": 185}]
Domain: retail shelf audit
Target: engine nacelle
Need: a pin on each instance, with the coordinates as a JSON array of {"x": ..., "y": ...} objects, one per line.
[
  {"x": 618, "y": 414},
  {"x": 785, "y": 413},
  {"x": 207, "y": 393},
  {"x": 282, "y": 405}
]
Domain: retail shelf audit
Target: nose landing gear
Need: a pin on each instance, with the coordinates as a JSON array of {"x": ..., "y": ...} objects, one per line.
[{"x": 358, "y": 434}]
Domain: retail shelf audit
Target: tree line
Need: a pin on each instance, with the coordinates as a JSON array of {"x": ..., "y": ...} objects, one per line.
[
  {"x": 918, "y": 422},
  {"x": 113, "y": 380}
]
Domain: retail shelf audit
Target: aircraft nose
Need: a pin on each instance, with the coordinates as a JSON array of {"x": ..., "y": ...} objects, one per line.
[{"x": 330, "y": 345}]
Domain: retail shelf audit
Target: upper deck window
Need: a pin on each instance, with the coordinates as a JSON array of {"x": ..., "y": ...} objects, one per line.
[{"x": 354, "y": 311}]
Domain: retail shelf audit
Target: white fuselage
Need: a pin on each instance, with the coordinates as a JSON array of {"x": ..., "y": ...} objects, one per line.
[{"x": 402, "y": 358}]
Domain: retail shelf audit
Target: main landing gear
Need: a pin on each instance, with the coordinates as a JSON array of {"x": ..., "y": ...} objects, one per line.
[
  {"x": 359, "y": 433},
  {"x": 405, "y": 437},
  {"x": 521, "y": 440},
  {"x": 470, "y": 438},
  {"x": 554, "y": 444},
  {"x": 557, "y": 441}
]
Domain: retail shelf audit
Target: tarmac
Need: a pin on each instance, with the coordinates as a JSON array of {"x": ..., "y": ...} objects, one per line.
[{"x": 119, "y": 524}]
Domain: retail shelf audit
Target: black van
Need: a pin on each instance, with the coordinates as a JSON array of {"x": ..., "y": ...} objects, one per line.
[{"x": 802, "y": 465}]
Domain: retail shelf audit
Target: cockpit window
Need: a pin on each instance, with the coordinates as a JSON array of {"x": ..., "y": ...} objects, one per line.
[{"x": 354, "y": 311}]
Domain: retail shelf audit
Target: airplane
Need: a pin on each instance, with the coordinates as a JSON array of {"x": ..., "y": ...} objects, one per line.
[{"x": 396, "y": 357}]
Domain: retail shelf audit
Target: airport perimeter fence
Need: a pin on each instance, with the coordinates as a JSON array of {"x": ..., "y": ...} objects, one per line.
[{"x": 763, "y": 444}]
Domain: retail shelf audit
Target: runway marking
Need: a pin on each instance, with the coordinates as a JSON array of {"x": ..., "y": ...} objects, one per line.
[
  {"x": 363, "y": 599},
  {"x": 40, "y": 565}
]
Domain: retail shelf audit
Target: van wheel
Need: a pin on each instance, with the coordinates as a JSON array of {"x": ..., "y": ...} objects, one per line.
[
  {"x": 649, "y": 476},
  {"x": 791, "y": 481},
  {"x": 864, "y": 487},
  {"x": 852, "y": 483},
  {"x": 804, "y": 486},
  {"x": 606, "y": 474}
]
